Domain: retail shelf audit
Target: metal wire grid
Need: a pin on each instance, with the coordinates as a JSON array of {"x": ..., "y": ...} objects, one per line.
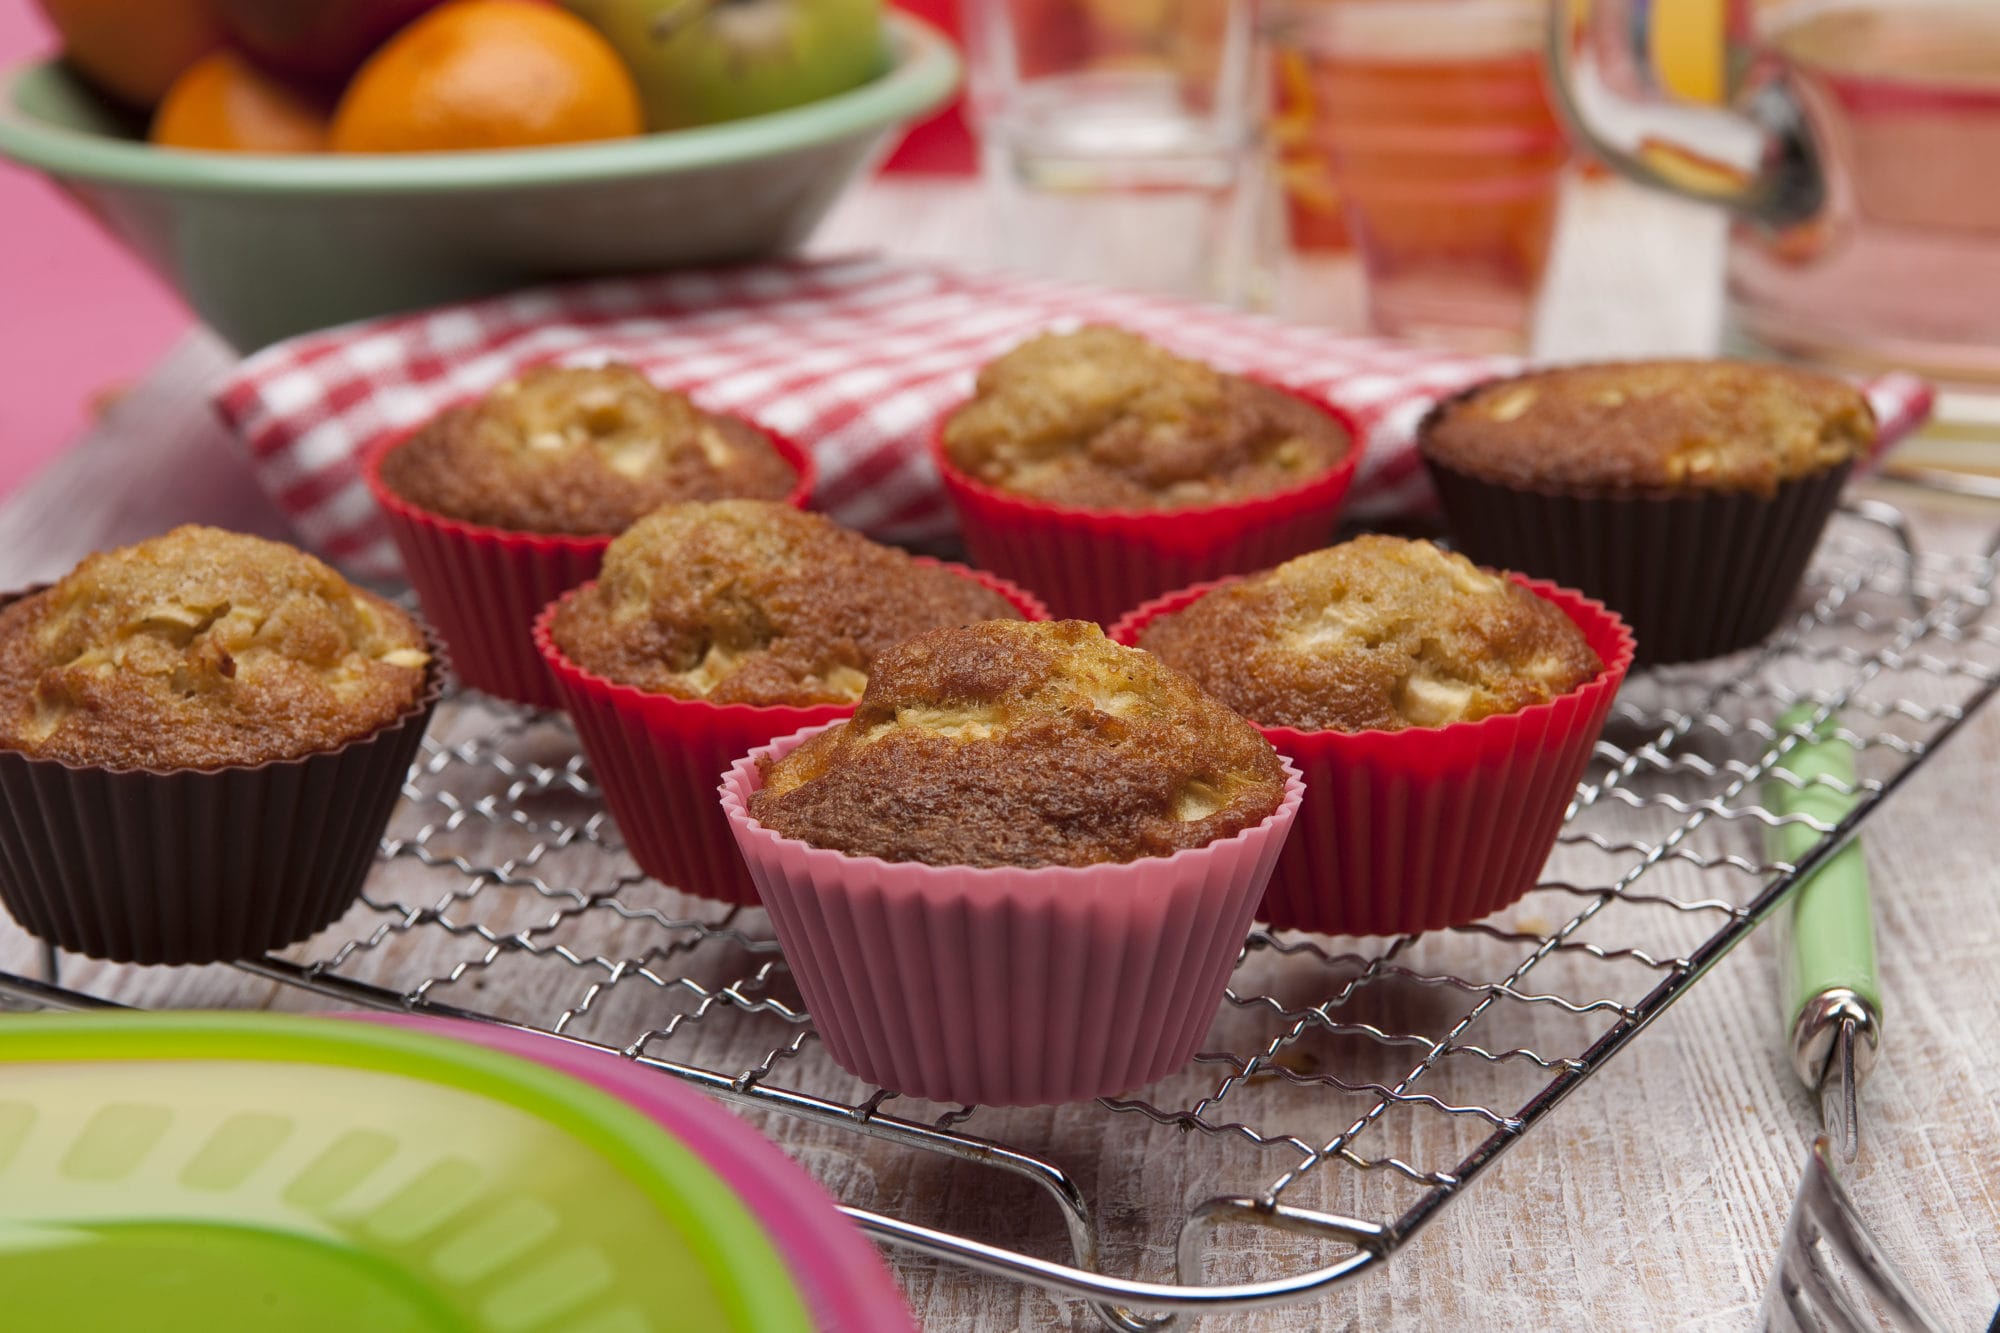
[{"x": 1348, "y": 1090}]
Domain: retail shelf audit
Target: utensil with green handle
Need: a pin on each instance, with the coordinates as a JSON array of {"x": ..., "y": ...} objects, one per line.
[
  {"x": 1831, "y": 1276},
  {"x": 1832, "y": 997}
]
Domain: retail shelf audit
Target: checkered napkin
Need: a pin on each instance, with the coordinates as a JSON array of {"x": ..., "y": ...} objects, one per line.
[{"x": 854, "y": 357}]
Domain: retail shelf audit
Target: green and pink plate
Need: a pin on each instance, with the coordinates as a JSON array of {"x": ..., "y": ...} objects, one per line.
[{"x": 184, "y": 1173}]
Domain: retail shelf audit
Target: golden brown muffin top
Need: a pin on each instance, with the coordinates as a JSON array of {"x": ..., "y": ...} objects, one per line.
[
  {"x": 1377, "y": 633},
  {"x": 580, "y": 452},
  {"x": 202, "y": 649},
  {"x": 1103, "y": 419},
  {"x": 1652, "y": 425},
  {"x": 1017, "y": 744},
  {"x": 748, "y": 602}
]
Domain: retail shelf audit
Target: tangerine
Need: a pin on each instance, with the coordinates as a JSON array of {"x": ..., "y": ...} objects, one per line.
[
  {"x": 488, "y": 74},
  {"x": 135, "y": 51},
  {"x": 223, "y": 102}
]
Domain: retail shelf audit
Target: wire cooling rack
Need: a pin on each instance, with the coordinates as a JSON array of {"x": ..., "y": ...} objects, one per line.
[{"x": 1348, "y": 1089}]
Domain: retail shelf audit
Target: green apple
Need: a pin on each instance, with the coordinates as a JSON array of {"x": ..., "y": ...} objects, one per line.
[{"x": 700, "y": 61}]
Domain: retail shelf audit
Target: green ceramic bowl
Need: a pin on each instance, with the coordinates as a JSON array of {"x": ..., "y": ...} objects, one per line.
[{"x": 264, "y": 246}]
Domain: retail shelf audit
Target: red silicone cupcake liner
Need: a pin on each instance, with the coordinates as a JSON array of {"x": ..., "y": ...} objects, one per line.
[
  {"x": 656, "y": 757},
  {"x": 199, "y": 866},
  {"x": 1007, "y": 986},
  {"x": 1413, "y": 830},
  {"x": 1696, "y": 575},
  {"x": 483, "y": 587},
  {"x": 1093, "y": 564}
]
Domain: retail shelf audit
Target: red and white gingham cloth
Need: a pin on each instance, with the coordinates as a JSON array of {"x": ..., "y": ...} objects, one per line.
[{"x": 853, "y": 357}]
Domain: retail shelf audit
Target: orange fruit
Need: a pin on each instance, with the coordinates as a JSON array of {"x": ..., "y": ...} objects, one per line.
[
  {"x": 488, "y": 74},
  {"x": 223, "y": 102},
  {"x": 135, "y": 51}
]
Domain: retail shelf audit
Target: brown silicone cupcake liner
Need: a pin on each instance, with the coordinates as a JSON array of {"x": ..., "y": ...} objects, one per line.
[
  {"x": 1695, "y": 574},
  {"x": 200, "y": 866}
]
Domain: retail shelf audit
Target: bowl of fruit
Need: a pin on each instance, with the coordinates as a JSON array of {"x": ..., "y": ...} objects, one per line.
[{"x": 290, "y": 166}]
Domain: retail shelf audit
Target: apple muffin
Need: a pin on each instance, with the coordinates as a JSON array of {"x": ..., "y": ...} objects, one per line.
[
  {"x": 580, "y": 452},
  {"x": 1376, "y": 634},
  {"x": 750, "y": 602},
  {"x": 1023, "y": 744},
  {"x": 1685, "y": 495},
  {"x": 1102, "y": 419},
  {"x": 202, "y": 649},
  {"x": 1652, "y": 426},
  {"x": 201, "y": 739}
]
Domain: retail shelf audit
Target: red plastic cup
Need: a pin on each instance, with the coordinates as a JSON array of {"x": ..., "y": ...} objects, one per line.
[
  {"x": 1092, "y": 564},
  {"x": 1008, "y": 985},
  {"x": 1413, "y": 830},
  {"x": 656, "y": 757},
  {"x": 483, "y": 586}
]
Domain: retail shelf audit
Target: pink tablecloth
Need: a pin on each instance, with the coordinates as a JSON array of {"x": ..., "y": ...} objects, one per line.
[{"x": 78, "y": 316}]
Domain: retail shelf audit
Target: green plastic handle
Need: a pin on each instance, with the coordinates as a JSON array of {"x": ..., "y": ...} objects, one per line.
[{"x": 1832, "y": 937}]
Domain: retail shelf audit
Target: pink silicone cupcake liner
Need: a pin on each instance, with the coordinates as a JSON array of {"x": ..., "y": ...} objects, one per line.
[
  {"x": 200, "y": 865},
  {"x": 483, "y": 587},
  {"x": 656, "y": 757},
  {"x": 845, "y": 1283},
  {"x": 1413, "y": 830},
  {"x": 1092, "y": 564},
  {"x": 1007, "y": 986}
]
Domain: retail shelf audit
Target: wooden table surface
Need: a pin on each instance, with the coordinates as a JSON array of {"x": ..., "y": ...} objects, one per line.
[{"x": 1652, "y": 1199}]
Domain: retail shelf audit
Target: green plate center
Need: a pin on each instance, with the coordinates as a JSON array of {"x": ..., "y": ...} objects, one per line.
[{"x": 198, "y": 1277}]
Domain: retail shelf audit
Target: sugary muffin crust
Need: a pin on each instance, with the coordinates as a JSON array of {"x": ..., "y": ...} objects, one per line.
[
  {"x": 1103, "y": 419},
  {"x": 745, "y": 601},
  {"x": 580, "y": 452},
  {"x": 1015, "y": 744},
  {"x": 1377, "y": 633},
  {"x": 1652, "y": 425},
  {"x": 202, "y": 649}
]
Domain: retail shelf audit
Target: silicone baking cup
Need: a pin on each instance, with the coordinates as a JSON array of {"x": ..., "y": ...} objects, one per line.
[
  {"x": 1695, "y": 573},
  {"x": 483, "y": 587},
  {"x": 1092, "y": 564},
  {"x": 200, "y": 865},
  {"x": 1405, "y": 831},
  {"x": 656, "y": 757},
  {"x": 1007, "y": 986}
]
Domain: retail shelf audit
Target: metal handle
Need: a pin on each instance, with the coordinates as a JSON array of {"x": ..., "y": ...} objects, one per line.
[{"x": 1758, "y": 160}]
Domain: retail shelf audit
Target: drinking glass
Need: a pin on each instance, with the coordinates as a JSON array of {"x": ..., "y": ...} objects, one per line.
[
  {"x": 1445, "y": 150},
  {"x": 1118, "y": 138}
]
